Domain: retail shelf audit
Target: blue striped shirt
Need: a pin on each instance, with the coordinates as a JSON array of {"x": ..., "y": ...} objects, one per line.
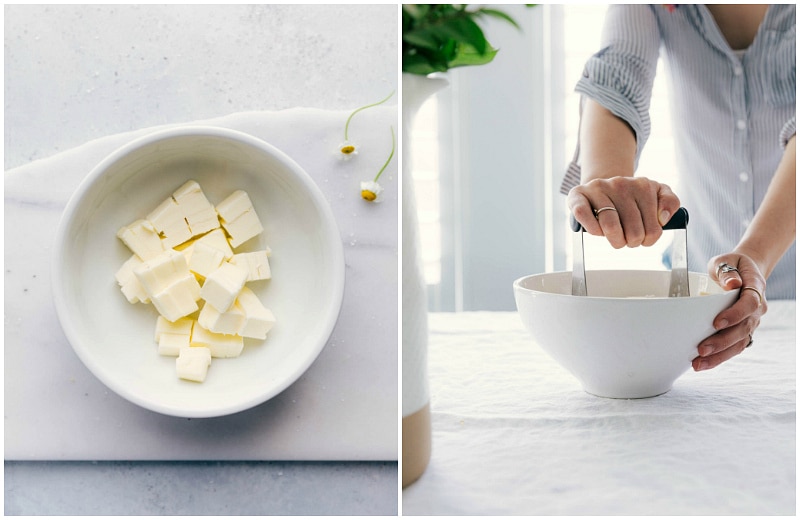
[{"x": 732, "y": 113}]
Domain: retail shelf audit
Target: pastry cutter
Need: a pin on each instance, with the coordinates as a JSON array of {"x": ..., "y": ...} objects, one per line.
[{"x": 679, "y": 279}]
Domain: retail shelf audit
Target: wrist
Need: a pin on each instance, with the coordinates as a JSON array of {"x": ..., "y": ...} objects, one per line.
[{"x": 764, "y": 264}]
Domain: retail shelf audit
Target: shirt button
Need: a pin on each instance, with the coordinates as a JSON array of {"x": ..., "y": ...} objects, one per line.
[
  {"x": 745, "y": 222},
  {"x": 737, "y": 71},
  {"x": 743, "y": 176},
  {"x": 741, "y": 124}
]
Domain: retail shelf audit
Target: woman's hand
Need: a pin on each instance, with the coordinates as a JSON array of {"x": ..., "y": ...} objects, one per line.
[
  {"x": 765, "y": 241},
  {"x": 735, "y": 325},
  {"x": 639, "y": 208}
]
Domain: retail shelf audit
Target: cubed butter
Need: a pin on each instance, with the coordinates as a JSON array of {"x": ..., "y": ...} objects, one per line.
[
  {"x": 186, "y": 239},
  {"x": 187, "y": 254},
  {"x": 192, "y": 363},
  {"x": 216, "y": 238},
  {"x": 171, "y": 344},
  {"x": 168, "y": 219},
  {"x": 172, "y": 336},
  {"x": 181, "y": 326},
  {"x": 219, "y": 345},
  {"x": 223, "y": 285},
  {"x": 258, "y": 320},
  {"x": 197, "y": 210},
  {"x": 239, "y": 218},
  {"x": 142, "y": 239},
  {"x": 228, "y": 322},
  {"x": 256, "y": 263},
  {"x": 186, "y": 214},
  {"x": 205, "y": 258},
  {"x": 128, "y": 282},
  {"x": 178, "y": 299},
  {"x": 159, "y": 272}
]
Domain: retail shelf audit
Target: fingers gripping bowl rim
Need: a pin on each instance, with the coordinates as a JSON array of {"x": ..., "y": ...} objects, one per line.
[{"x": 114, "y": 339}]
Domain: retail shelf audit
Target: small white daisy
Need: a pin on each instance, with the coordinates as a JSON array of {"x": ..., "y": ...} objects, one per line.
[{"x": 371, "y": 191}]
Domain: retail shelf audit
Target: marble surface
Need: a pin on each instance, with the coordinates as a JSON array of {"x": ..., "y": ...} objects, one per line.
[
  {"x": 242, "y": 67},
  {"x": 721, "y": 442}
]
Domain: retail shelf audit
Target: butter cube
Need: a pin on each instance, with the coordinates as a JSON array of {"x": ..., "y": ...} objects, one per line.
[
  {"x": 186, "y": 214},
  {"x": 142, "y": 238},
  {"x": 256, "y": 263},
  {"x": 161, "y": 271},
  {"x": 187, "y": 254},
  {"x": 192, "y": 363},
  {"x": 178, "y": 299},
  {"x": 173, "y": 336},
  {"x": 128, "y": 282},
  {"x": 205, "y": 258},
  {"x": 234, "y": 205},
  {"x": 168, "y": 219},
  {"x": 219, "y": 345},
  {"x": 223, "y": 285},
  {"x": 171, "y": 344},
  {"x": 258, "y": 319},
  {"x": 239, "y": 218},
  {"x": 197, "y": 210},
  {"x": 216, "y": 238},
  {"x": 182, "y": 326},
  {"x": 228, "y": 322}
]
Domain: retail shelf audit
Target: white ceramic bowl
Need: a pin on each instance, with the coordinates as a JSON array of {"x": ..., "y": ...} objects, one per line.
[
  {"x": 626, "y": 339},
  {"x": 114, "y": 338}
]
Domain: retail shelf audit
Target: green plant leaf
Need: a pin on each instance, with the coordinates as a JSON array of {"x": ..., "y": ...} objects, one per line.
[
  {"x": 500, "y": 15},
  {"x": 438, "y": 37},
  {"x": 469, "y": 56},
  {"x": 423, "y": 63},
  {"x": 425, "y": 38},
  {"x": 463, "y": 29}
]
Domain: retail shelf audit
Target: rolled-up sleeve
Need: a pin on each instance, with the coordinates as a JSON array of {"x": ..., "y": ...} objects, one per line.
[
  {"x": 788, "y": 131},
  {"x": 620, "y": 76}
]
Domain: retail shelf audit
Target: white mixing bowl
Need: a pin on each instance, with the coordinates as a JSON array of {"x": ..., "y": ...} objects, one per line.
[
  {"x": 115, "y": 339},
  {"x": 626, "y": 339}
]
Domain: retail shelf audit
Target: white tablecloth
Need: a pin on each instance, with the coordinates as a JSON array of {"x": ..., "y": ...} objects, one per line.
[{"x": 514, "y": 433}]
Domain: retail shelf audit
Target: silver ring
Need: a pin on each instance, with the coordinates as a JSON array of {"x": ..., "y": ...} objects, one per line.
[
  {"x": 750, "y": 342},
  {"x": 598, "y": 211},
  {"x": 725, "y": 268}
]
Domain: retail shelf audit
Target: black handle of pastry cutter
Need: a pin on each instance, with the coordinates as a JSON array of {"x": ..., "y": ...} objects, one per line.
[
  {"x": 678, "y": 221},
  {"x": 679, "y": 278}
]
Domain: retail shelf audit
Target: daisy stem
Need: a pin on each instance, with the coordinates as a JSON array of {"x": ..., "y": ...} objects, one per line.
[
  {"x": 387, "y": 160},
  {"x": 356, "y": 111}
]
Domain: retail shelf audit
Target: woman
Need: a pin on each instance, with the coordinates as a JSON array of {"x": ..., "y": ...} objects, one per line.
[{"x": 732, "y": 86}]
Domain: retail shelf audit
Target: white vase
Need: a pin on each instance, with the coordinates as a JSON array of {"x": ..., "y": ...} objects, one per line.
[{"x": 416, "y": 399}]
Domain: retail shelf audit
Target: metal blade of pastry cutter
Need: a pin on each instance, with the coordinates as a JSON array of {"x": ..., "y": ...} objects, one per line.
[
  {"x": 578, "y": 268},
  {"x": 679, "y": 279}
]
